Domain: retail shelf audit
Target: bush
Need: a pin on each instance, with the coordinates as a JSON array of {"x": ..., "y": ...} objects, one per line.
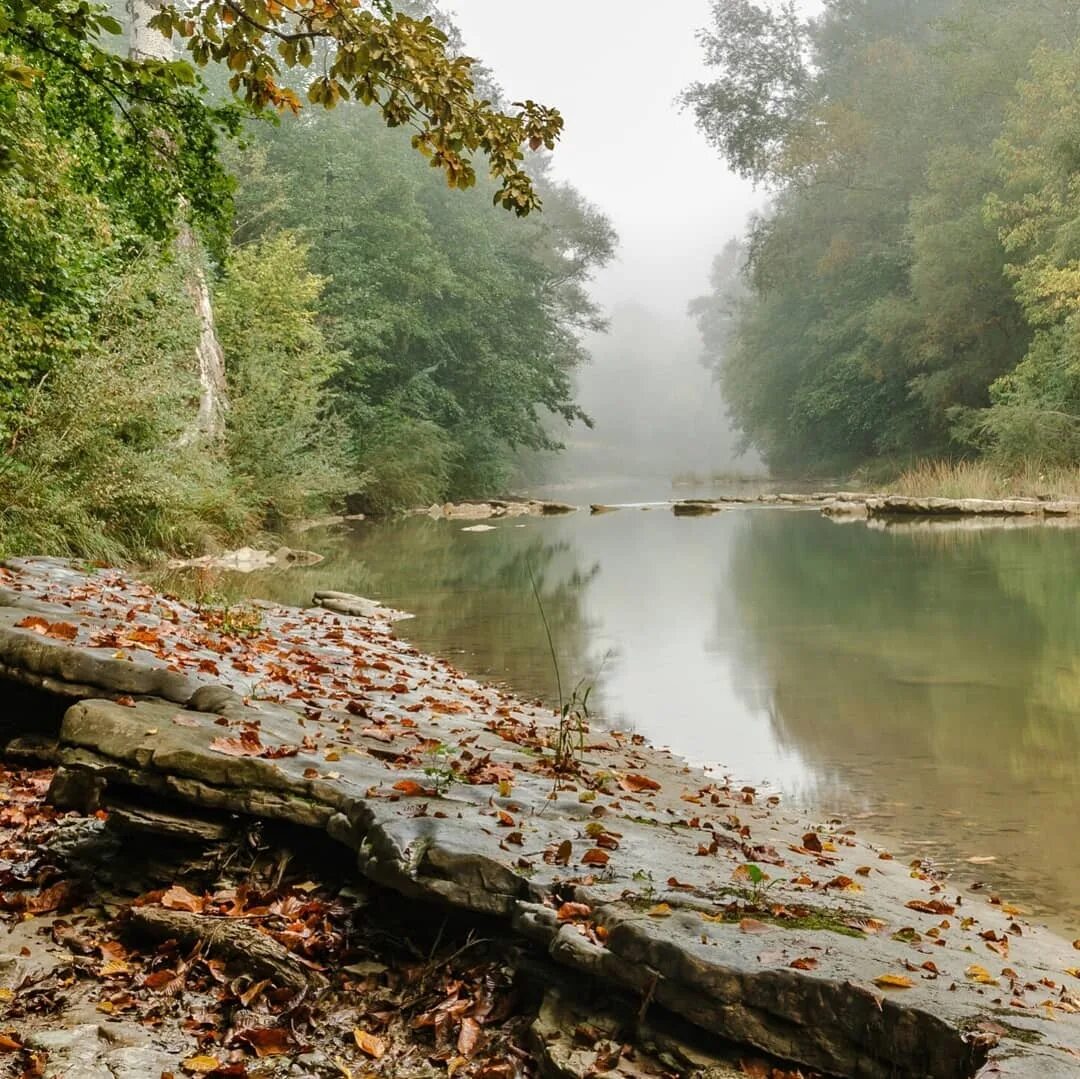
[
  {"x": 103, "y": 468},
  {"x": 287, "y": 453}
]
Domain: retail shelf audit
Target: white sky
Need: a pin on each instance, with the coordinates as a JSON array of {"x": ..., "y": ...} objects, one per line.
[{"x": 614, "y": 69}]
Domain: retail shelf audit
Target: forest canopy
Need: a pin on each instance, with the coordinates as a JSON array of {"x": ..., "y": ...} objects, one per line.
[
  {"x": 912, "y": 289},
  {"x": 388, "y": 330}
]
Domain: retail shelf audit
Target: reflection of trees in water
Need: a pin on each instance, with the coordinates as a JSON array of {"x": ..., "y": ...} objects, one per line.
[
  {"x": 942, "y": 678},
  {"x": 471, "y": 592}
]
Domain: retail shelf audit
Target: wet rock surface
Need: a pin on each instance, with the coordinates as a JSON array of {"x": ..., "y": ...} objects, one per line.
[{"x": 697, "y": 897}]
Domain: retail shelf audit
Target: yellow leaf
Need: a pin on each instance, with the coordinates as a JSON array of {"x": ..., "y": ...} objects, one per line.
[
  {"x": 661, "y": 910},
  {"x": 7, "y": 994},
  {"x": 1074, "y": 971},
  {"x": 201, "y": 1065},
  {"x": 893, "y": 981},
  {"x": 980, "y": 975}
]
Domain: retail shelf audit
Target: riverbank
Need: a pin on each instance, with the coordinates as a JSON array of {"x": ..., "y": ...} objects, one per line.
[{"x": 701, "y": 901}]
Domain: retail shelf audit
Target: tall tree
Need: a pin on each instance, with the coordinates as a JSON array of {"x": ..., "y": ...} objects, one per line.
[{"x": 147, "y": 43}]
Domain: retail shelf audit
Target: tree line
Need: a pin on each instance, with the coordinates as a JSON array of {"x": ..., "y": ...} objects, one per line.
[
  {"x": 913, "y": 289},
  {"x": 389, "y": 330}
]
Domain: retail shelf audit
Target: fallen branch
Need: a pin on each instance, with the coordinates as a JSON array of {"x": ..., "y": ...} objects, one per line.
[{"x": 228, "y": 938}]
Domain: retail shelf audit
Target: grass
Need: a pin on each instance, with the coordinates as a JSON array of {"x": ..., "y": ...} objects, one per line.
[{"x": 983, "y": 479}]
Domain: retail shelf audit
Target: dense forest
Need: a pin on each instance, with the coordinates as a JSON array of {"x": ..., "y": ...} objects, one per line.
[
  {"x": 913, "y": 289},
  {"x": 379, "y": 327}
]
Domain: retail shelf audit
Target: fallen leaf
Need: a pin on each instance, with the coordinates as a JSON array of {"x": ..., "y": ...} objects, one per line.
[
  {"x": 661, "y": 910},
  {"x": 805, "y": 963},
  {"x": 247, "y": 745},
  {"x": 370, "y": 1044},
  {"x": 179, "y": 898},
  {"x": 752, "y": 925},
  {"x": 468, "y": 1037},
  {"x": 980, "y": 975},
  {"x": 569, "y": 911},
  {"x": 931, "y": 906},
  {"x": 595, "y": 856},
  {"x": 201, "y": 1065},
  {"x": 893, "y": 981},
  {"x": 635, "y": 784}
]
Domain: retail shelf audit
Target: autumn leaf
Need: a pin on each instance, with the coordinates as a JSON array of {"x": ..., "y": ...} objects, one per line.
[
  {"x": 932, "y": 906},
  {"x": 569, "y": 911},
  {"x": 980, "y": 974},
  {"x": 247, "y": 745},
  {"x": 805, "y": 963},
  {"x": 752, "y": 925},
  {"x": 370, "y": 1044},
  {"x": 179, "y": 898},
  {"x": 266, "y": 1041},
  {"x": 661, "y": 910},
  {"x": 201, "y": 1065},
  {"x": 61, "y": 631},
  {"x": 636, "y": 784},
  {"x": 468, "y": 1037},
  {"x": 893, "y": 981},
  {"x": 410, "y": 788},
  {"x": 812, "y": 842},
  {"x": 595, "y": 856},
  {"x": 8, "y": 1044}
]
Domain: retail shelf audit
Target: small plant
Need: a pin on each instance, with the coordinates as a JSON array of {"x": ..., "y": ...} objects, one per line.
[
  {"x": 240, "y": 621},
  {"x": 644, "y": 876},
  {"x": 570, "y": 735},
  {"x": 759, "y": 882},
  {"x": 573, "y": 712},
  {"x": 440, "y": 768}
]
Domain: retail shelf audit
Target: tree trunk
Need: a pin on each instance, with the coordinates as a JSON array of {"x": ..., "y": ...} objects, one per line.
[{"x": 148, "y": 44}]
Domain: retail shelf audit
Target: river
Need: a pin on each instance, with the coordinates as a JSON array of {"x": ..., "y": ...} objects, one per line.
[{"x": 922, "y": 685}]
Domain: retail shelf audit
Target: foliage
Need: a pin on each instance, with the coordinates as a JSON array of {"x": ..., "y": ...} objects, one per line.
[
  {"x": 287, "y": 454},
  {"x": 911, "y": 257},
  {"x": 100, "y": 469},
  {"x": 459, "y": 327},
  {"x": 377, "y": 56},
  {"x": 401, "y": 342},
  {"x": 140, "y": 131}
]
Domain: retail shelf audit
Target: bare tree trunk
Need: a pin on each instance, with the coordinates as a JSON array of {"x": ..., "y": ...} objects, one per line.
[{"x": 147, "y": 43}]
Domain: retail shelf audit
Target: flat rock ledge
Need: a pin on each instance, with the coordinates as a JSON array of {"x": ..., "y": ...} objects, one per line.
[
  {"x": 633, "y": 872},
  {"x": 494, "y": 507}
]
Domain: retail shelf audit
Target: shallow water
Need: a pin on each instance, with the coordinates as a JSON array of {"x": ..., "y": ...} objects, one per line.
[{"x": 924, "y": 685}]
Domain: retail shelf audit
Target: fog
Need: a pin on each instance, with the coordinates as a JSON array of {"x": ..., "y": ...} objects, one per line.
[{"x": 616, "y": 76}]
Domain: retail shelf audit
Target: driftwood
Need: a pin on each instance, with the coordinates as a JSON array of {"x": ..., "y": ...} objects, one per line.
[{"x": 233, "y": 940}]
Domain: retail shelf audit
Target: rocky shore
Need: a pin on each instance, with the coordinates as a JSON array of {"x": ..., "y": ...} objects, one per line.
[{"x": 672, "y": 913}]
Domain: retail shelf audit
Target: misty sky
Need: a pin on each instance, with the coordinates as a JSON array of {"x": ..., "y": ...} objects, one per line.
[{"x": 614, "y": 68}]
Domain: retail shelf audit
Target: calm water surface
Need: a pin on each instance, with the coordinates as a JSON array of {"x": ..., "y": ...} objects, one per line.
[{"x": 924, "y": 685}]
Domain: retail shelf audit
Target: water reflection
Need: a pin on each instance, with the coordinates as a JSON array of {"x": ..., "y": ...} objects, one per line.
[
  {"x": 933, "y": 679},
  {"x": 927, "y": 683}
]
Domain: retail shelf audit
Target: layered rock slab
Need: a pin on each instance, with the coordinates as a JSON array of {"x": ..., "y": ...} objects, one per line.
[{"x": 671, "y": 915}]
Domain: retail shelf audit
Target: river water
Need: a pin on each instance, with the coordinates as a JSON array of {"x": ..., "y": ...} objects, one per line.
[{"x": 922, "y": 684}]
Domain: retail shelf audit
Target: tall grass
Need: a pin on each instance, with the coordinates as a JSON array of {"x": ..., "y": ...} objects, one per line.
[{"x": 985, "y": 479}]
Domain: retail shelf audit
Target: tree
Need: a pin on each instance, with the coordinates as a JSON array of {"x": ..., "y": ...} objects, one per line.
[
  {"x": 460, "y": 326},
  {"x": 379, "y": 56},
  {"x": 881, "y": 314}
]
